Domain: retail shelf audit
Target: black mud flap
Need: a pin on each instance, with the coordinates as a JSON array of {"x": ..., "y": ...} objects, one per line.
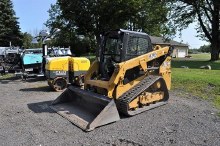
[{"x": 85, "y": 109}]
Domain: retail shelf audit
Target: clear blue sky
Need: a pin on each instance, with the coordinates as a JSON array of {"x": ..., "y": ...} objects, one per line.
[
  {"x": 189, "y": 37},
  {"x": 33, "y": 14}
]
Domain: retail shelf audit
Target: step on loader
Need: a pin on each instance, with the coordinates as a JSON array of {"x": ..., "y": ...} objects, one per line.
[{"x": 129, "y": 76}]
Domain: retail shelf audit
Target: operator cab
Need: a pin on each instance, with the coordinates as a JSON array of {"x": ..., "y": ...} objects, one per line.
[{"x": 121, "y": 45}]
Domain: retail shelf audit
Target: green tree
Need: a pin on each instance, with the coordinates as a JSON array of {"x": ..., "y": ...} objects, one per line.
[
  {"x": 68, "y": 36},
  {"x": 206, "y": 13},
  {"x": 205, "y": 49},
  {"x": 151, "y": 16},
  {"x": 91, "y": 17},
  {"x": 9, "y": 27},
  {"x": 27, "y": 38}
]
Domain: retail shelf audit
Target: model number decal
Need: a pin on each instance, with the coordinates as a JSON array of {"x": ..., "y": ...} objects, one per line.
[
  {"x": 60, "y": 72},
  {"x": 28, "y": 69}
]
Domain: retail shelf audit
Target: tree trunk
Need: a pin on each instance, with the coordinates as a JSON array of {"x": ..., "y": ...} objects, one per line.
[
  {"x": 98, "y": 40},
  {"x": 215, "y": 44},
  {"x": 214, "y": 51}
]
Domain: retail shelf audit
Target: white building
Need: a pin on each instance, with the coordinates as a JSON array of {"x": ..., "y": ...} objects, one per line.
[{"x": 180, "y": 49}]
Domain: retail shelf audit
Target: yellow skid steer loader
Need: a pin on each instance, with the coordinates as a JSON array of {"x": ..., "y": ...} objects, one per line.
[{"x": 129, "y": 76}]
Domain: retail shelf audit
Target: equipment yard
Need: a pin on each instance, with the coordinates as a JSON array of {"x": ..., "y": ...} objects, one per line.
[{"x": 26, "y": 119}]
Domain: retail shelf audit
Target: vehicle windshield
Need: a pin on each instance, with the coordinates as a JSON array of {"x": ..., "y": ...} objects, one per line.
[
  {"x": 33, "y": 51},
  {"x": 112, "y": 46}
]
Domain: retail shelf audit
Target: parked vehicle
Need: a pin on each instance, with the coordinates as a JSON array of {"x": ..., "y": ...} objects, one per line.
[{"x": 129, "y": 76}]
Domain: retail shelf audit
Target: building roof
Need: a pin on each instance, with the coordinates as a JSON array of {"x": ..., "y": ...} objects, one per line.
[
  {"x": 134, "y": 32},
  {"x": 162, "y": 41}
]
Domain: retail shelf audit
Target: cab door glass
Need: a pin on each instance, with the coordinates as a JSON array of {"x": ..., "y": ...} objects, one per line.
[{"x": 137, "y": 46}]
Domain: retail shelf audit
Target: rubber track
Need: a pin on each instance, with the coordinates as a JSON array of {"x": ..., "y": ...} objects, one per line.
[{"x": 123, "y": 101}]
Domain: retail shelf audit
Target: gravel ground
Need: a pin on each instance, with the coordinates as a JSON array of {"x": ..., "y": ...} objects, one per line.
[{"x": 26, "y": 119}]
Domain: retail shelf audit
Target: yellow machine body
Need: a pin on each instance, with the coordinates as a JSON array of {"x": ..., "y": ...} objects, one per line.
[
  {"x": 119, "y": 81},
  {"x": 57, "y": 63},
  {"x": 63, "y": 70},
  {"x": 114, "y": 88},
  {"x": 79, "y": 64}
]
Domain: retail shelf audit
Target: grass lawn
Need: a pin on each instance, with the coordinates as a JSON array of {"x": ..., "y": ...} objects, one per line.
[
  {"x": 196, "y": 61},
  {"x": 195, "y": 81},
  {"x": 6, "y": 76}
]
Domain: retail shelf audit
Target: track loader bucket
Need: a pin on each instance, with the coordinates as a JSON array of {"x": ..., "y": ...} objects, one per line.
[{"x": 85, "y": 109}]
